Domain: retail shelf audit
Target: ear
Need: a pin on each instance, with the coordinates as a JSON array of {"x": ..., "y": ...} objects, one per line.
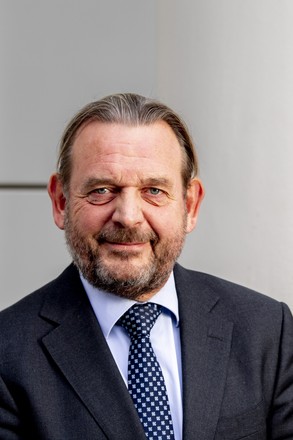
[
  {"x": 194, "y": 197},
  {"x": 56, "y": 193}
]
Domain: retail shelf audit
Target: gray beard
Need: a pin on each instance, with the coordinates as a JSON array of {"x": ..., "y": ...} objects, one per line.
[
  {"x": 147, "y": 281},
  {"x": 150, "y": 278}
]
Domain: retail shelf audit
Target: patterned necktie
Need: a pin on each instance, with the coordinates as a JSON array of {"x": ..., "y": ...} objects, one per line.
[{"x": 146, "y": 383}]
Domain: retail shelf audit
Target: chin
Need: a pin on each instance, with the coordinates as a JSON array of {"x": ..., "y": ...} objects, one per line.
[{"x": 129, "y": 273}]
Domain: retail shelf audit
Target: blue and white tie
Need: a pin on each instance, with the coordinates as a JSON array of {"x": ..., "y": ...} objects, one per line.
[{"x": 146, "y": 383}]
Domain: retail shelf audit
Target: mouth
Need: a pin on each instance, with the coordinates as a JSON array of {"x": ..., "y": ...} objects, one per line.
[
  {"x": 125, "y": 246},
  {"x": 127, "y": 240}
]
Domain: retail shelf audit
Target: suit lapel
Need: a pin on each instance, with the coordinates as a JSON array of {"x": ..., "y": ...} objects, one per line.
[
  {"x": 79, "y": 349},
  {"x": 77, "y": 346},
  {"x": 205, "y": 345}
]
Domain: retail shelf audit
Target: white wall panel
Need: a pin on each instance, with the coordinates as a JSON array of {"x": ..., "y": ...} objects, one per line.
[
  {"x": 227, "y": 66},
  {"x": 32, "y": 248},
  {"x": 55, "y": 57}
]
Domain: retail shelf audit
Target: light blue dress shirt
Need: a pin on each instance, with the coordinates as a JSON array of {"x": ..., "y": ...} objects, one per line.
[{"x": 165, "y": 338}]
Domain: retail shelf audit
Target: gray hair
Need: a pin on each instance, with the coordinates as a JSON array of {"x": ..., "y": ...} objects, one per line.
[{"x": 127, "y": 109}]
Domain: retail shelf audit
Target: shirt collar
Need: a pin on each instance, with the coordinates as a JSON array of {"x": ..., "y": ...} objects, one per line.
[{"x": 108, "y": 308}]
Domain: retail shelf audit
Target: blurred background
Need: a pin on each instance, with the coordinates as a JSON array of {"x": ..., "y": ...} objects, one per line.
[{"x": 225, "y": 65}]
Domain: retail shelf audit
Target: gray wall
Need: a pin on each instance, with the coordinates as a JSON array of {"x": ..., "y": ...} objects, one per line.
[
  {"x": 55, "y": 57},
  {"x": 225, "y": 65}
]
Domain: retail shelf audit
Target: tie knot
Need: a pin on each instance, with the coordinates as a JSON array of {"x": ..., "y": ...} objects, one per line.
[{"x": 140, "y": 319}]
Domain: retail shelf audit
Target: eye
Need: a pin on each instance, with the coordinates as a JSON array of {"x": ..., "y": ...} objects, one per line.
[
  {"x": 155, "y": 196},
  {"x": 101, "y": 191},
  {"x": 100, "y": 196},
  {"x": 155, "y": 191}
]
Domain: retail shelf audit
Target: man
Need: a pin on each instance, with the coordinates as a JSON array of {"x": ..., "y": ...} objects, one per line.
[{"x": 126, "y": 193}]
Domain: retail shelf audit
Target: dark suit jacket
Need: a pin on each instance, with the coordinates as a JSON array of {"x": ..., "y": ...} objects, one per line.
[{"x": 60, "y": 382}]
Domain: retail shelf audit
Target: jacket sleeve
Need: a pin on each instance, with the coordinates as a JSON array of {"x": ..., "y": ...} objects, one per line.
[
  {"x": 281, "y": 418},
  {"x": 9, "y": 420}
]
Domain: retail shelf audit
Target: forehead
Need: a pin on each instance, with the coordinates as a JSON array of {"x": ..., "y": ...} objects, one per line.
[{"x": 119, "y": 145}]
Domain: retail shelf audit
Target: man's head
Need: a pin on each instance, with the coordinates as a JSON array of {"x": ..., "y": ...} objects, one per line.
[{"x": 126, "y": 193}]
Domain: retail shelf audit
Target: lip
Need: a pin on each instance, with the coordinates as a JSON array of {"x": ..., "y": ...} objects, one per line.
[{"x": 125, "y": 246}]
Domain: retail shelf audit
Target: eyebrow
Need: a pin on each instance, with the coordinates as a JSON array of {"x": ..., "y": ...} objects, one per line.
[{"x": 156, "y": 181}]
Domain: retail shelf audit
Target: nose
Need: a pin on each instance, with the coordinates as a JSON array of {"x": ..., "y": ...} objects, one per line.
[{"x": 128, "y": 210}]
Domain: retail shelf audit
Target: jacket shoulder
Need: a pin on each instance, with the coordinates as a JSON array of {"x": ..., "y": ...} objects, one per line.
[
  {"x": 56, "y": 291},
  {"x": 231, "y": 299}
]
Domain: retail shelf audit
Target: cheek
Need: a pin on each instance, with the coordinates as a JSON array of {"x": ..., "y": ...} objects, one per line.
[
  {"x": 167, "y": 222},
  {"x": 87, "y": 218}
]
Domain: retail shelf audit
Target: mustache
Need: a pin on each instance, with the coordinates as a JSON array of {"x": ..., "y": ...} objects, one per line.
[{"x": 127, "y": 235}]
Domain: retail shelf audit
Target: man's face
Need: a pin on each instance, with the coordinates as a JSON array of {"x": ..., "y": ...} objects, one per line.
[{"x": 126, "y": 213}]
